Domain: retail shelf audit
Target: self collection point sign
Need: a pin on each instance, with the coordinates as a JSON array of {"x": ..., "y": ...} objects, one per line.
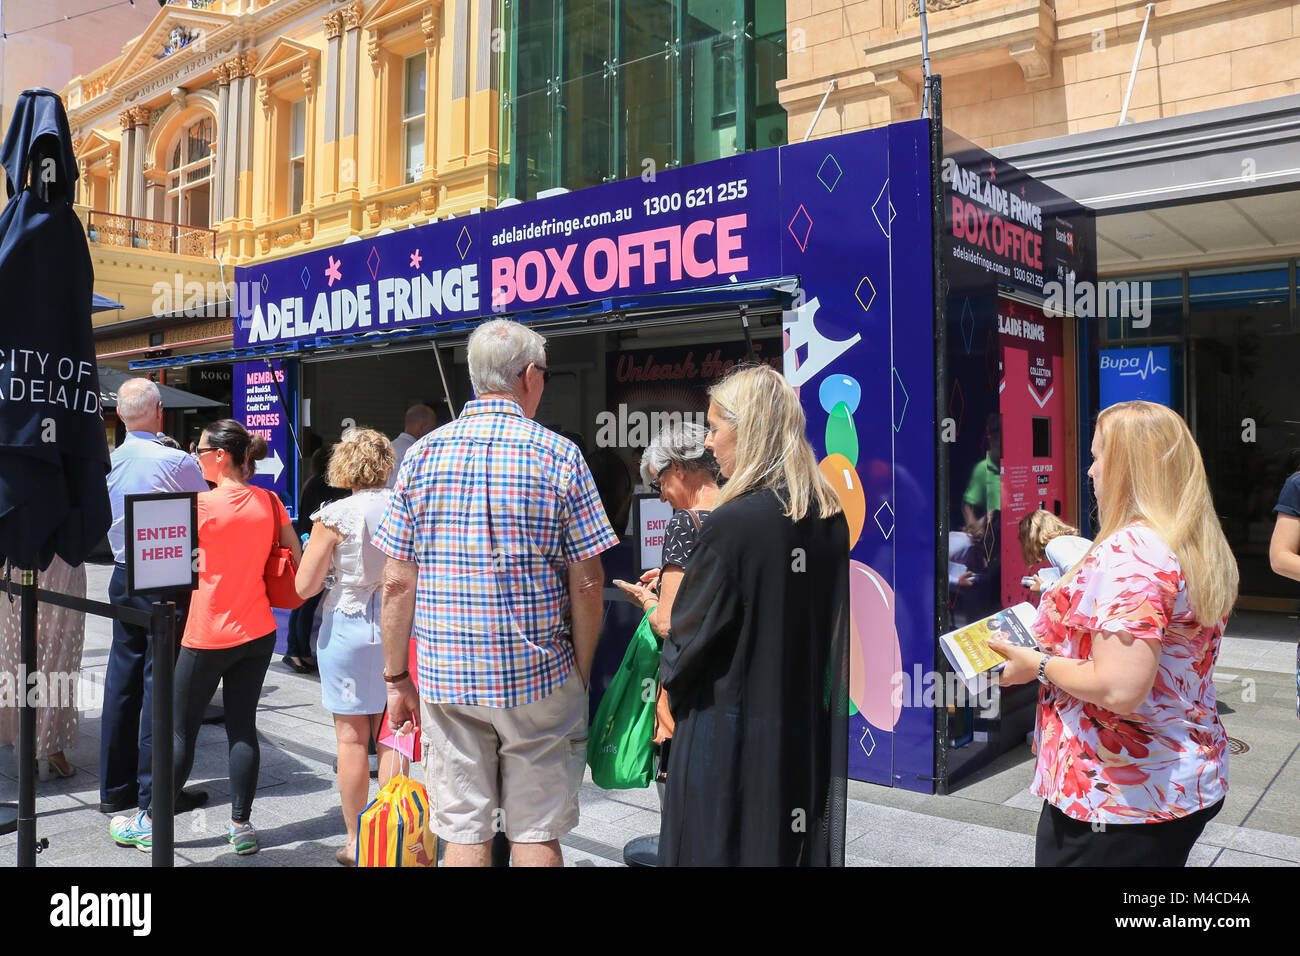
[{"x": 161, "y": 542}]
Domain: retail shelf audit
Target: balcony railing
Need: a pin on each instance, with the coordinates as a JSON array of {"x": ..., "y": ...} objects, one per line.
[{"x": 110, "y": 229}]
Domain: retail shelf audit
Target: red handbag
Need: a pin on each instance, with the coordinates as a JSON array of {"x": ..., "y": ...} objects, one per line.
[{"x": 280, "y": 571}]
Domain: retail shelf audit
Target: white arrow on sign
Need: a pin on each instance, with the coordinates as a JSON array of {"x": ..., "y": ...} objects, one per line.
[{"x": 272, "y": 466}]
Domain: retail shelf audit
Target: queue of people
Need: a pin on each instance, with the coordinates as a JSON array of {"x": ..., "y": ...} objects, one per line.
[{"x": 484, "y": 545}]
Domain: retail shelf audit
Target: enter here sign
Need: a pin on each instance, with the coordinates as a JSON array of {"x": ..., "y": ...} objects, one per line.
[{"x": 161, "y": 540}]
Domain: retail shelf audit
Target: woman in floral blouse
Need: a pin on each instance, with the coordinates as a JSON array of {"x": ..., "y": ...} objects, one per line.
[{"x": 1132, "y": 758}]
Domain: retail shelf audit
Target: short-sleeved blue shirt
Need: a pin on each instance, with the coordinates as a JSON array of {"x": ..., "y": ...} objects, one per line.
[{"x": 1288, "y": 502}]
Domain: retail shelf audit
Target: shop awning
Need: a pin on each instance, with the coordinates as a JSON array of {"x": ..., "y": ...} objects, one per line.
[
  {"x": 110, "y": 380},
  {"x": 102, "y": 303},
  {"x": 769, "y": 294}
]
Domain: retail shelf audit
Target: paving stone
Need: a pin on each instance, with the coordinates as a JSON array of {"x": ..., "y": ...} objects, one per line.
[
  {"x": 1024, "y": 800},
  {"x": 997, "y": 847},
  {"x": 1239, "y": 858},
  {"x": 1203, "y": 854}
]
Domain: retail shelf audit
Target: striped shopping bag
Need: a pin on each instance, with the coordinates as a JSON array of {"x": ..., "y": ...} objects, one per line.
[{"x": 395, "y": 829}]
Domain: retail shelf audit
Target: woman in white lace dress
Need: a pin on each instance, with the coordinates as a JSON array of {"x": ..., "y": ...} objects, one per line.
[{"x": 350, "y": 650}]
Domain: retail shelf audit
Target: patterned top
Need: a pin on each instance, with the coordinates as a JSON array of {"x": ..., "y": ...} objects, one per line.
[
  {"x": 357, "y": 565},
  {"x": 680, "y": 537},
  {"x": 1170, "y": 757},
  {"x": 493, "y": 507}
]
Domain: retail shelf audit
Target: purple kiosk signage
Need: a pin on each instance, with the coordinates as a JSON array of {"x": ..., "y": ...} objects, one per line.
[
  {"x": 699, "y": 226},
  {"x": 845, "y": 223},
  {"x": 257, "y": 405}
]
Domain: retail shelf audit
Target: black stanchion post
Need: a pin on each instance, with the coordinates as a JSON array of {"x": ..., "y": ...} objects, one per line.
[
  {"x": 162, "y": 628},
  {"x": 27, "y": 722}
]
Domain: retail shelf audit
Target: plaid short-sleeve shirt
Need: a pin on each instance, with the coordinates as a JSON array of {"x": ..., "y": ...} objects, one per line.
[{"x": 493, "y": 507}]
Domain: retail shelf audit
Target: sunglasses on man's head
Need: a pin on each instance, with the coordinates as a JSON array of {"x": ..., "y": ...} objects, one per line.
[{"x": 546, "y": 373}]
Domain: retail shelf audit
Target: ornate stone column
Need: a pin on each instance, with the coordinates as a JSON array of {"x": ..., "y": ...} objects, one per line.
[
  {"x": 236, "y": 121},
  {"x": 348, "y": 172},
  {"x": 223, "y": 176},
  {"x": 244, "y": 188},
  {"x": 308, "y": 75},
  {"x": 140, "y": 137},
  {"x": 328, "y": 170},
  {"x": 124, "y": 173},
  {"x": 110, "y": 164}
]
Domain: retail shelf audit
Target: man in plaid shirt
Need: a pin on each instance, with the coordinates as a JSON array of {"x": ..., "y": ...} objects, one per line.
[{"x": 493, "y": 535}]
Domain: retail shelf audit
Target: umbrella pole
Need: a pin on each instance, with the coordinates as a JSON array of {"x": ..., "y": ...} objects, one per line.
[{"x": 27, "y": 722}]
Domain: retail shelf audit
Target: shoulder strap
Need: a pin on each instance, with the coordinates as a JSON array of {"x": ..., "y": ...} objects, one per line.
[
  {"x": 275, "y": 530},
  {"x": 694, "y": 517}
]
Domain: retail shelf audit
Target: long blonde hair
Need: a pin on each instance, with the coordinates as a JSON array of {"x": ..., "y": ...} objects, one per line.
[
  {"x": 1152, "y": 472},
  {"x": 1037, "y": 529},
  {"x": 772, "y": 450}
]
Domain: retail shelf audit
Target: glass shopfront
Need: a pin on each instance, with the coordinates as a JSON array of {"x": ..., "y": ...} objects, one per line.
[{"x": 1234, "y": 346}]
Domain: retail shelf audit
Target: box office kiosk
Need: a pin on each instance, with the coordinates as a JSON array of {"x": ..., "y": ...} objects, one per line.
[{"x": 820, "y": 258}]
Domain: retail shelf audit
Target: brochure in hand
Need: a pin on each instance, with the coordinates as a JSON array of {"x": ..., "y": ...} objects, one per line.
[{"x": 967, "y": 648}]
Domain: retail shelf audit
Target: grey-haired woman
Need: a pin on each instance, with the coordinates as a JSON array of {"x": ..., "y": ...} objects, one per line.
[{"x": 678, "y": 468}]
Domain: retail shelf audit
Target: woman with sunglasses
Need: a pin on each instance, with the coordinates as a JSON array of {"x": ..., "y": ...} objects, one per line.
[{"x": 230, "y": 630}]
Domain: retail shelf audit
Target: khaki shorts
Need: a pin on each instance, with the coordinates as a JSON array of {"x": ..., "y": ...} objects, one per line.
[{"x": 537, "y": 751}]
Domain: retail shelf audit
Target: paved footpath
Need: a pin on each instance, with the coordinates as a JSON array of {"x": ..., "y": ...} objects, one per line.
[{"x": 990, "y": 820}]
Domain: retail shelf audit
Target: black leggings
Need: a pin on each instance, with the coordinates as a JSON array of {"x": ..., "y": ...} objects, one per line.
[
  {"x": 240, "y": 670},
  {"x": 1064, "y": 841}
]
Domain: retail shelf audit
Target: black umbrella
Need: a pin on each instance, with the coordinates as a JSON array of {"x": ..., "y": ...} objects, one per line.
[{"x": 53, "y": 452}]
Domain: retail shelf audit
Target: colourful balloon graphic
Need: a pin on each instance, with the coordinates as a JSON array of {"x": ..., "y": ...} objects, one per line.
[
  {"x": 839, "y": 472},
  {"x": 875, "y": 655},
  {"x": 841, "y": 435},
  {"x": 838, "y": 388}
]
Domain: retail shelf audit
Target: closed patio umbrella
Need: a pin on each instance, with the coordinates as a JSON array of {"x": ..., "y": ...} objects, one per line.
[{"x": 53, "y": 452}]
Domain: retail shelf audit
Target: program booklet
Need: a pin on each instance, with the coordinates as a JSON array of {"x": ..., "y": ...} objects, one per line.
[{"x": 967, "y": 648}]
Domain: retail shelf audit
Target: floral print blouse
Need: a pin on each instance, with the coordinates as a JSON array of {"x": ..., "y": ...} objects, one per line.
[{"x": 1170, "y": 757}]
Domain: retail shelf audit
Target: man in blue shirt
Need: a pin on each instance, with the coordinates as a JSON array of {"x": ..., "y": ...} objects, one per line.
[{"x": 141, "y": 465}]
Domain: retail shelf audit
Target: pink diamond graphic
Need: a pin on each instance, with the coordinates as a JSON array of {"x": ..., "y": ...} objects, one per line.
[
  {"x": 957, "y": 403},
  {"x": 372, "y": 261},
  {"x": 807, "y": 229}
]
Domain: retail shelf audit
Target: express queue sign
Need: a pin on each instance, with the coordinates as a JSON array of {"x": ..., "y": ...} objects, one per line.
[{"x": 161, "y": 543}]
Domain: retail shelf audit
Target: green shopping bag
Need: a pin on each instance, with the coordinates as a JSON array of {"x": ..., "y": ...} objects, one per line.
[{"x": 620, "y": 747}]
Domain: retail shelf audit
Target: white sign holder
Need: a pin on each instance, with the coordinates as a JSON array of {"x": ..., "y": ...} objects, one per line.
[{"x": 162, "y": 539}]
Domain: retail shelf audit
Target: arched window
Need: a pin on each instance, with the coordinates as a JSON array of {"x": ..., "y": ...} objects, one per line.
[{"x": 189, "y": 176}]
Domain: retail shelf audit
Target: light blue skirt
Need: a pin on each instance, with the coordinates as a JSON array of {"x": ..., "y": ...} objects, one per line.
[{"x": 350, "y": 655}]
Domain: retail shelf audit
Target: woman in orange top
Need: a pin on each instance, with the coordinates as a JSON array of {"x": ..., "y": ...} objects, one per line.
[{"x": 230, "y": 630}]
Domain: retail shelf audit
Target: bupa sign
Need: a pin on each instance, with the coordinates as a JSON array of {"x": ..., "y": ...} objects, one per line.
[
  {"x": 1144, "y": 374},
  {"x": 162, "y": 542}
]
